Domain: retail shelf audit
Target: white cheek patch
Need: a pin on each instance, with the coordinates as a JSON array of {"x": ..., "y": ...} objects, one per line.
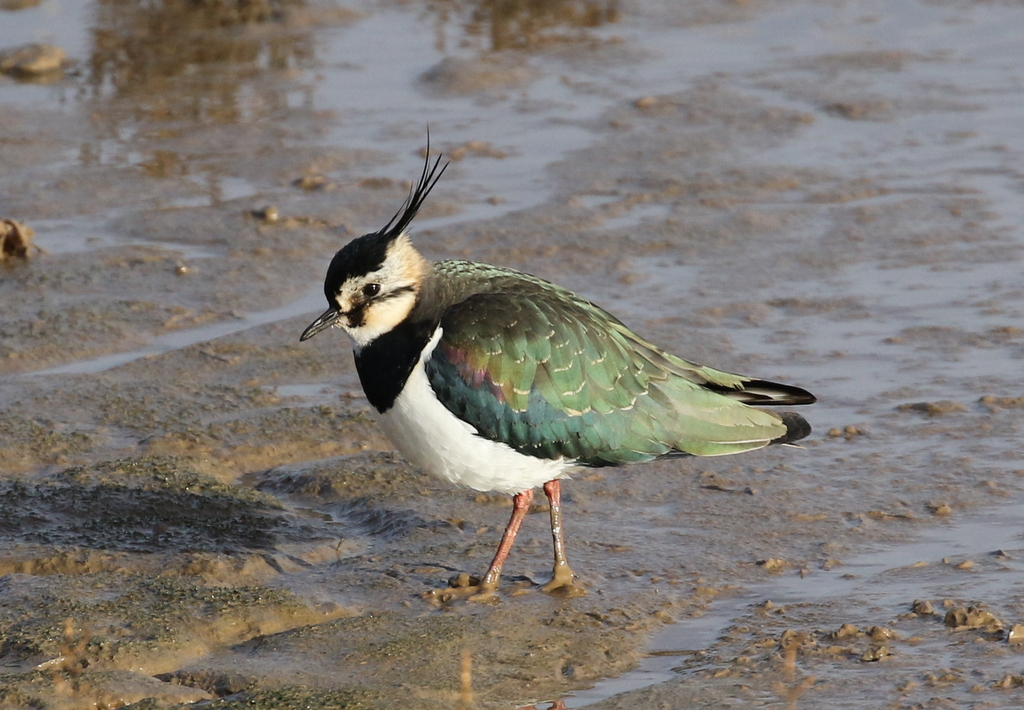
[{"x": 399, "y": 278}]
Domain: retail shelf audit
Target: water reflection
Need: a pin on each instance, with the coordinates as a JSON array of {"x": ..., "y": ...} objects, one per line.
[
  {"x": 157, "y": 71},
  {"x": 182, "y": 59},
  {"x": 495, "y": 25},
  {"x": 142, "y": 51}
]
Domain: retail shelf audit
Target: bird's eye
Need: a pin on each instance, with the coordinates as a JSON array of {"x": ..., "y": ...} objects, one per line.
[{"x": 371, "y": 290}]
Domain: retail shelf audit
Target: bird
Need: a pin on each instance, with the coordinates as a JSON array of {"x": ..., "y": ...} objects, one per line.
[{"x": 502, "y": 382}]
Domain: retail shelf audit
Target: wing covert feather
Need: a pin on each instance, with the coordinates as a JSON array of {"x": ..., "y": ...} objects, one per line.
[{"x": 554, "y": 376}]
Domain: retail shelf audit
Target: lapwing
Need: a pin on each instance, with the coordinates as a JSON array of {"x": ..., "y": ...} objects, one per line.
[{"x": 500, "y": 381}]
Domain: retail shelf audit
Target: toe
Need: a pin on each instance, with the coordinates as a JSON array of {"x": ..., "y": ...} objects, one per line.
[{"x": 562, "y": 583}]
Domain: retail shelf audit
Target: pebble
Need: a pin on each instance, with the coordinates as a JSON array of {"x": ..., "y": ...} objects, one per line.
[
  {"x": 772, "y": 564},
  {"x": 933, "y": 409},
  {"x": 268, "y": 214},
  {"x": 15, "y": 240},
  {"x": 881, "y": 633},
  {"x": 972, "y": 618},
  {"x": 922, "y": 607},
  {"x": 32, "y": 60},
  {"x": 875, "y": 654},
  {"x": 845, "y": 631}
]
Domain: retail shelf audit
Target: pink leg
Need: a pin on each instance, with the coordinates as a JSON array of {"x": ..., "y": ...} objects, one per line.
[
  {"x": 520, "y": 506},
  {"x": 562, "y": 576}
]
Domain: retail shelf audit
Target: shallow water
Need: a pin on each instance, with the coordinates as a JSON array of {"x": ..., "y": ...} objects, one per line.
[
  {"x": 896, "y": 572},
  {"x": 826, "y": 193},
  {"x": 876, "y": 577},
  {"x": 184, "y": 338}
]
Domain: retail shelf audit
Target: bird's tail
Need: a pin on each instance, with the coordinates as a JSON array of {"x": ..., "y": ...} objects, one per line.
[{"x": 796, "y": 428}]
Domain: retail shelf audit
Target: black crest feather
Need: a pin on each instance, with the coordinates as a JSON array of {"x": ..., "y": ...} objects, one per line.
[
  {"x": 366, "y": 254},
  {"x": 405, "y": 214}
]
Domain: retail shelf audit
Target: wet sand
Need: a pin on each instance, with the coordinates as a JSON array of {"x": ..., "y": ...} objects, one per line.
[{"x": 196, "y": 507}]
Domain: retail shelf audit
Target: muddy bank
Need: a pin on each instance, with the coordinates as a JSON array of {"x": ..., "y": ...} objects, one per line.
[{"x": 194, "y": 506}]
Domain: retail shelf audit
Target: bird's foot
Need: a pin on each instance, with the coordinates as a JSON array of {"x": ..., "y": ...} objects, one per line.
[
  {"x": 561, "y": 583},
  {"x": 463, "y": 586}
]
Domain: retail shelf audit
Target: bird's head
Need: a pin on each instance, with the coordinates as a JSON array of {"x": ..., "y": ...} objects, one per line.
[{"x": 374, "y": 281}]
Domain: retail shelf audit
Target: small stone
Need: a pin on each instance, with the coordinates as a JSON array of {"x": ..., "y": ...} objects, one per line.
[
  {"x": 973, "y": 617},
  {"x": 1016, "y": 635},
  {"x": 875, "y": 654},
  {"x": 311, "y": 183},
  {"x": 772, "y": 564},
  {"x": 847, "y": 432},
  {"x": 940, "y": 509},
  {"x": 933, "y": 409},
  {"x": 790, "y": 637},
  {"x": 922, "y": 607},
  {"x": 32, "y": 60},
  {"x": 881, "y": 633},
  {"x": 993, "y": 403},
  {"x": 845, "y": 631},
  {"x": 15, "y": 240},
  {"x": 268, "y": 214}
]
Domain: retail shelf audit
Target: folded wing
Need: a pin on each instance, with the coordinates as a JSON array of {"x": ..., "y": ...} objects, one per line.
[{"x": 554, "y": 376}]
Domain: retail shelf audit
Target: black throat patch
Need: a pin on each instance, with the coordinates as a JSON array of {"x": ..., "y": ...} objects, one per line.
[{"x": 385, "y": 364}]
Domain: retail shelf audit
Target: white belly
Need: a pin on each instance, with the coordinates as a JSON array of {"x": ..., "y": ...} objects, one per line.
[{"x": 434, "y": 439}]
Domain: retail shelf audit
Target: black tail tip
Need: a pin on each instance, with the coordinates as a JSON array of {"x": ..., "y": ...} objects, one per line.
[{"x": 797, "y": 428}]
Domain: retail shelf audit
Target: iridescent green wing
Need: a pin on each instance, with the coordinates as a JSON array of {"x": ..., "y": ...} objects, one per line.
[{"x": 552, "y": 376}]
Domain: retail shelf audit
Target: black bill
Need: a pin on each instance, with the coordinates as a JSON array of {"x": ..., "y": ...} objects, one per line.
[{"x": 327, "y": 319}]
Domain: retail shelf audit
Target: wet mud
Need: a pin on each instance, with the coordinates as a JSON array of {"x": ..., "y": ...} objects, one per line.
[{"x": 195, "y": 507}]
